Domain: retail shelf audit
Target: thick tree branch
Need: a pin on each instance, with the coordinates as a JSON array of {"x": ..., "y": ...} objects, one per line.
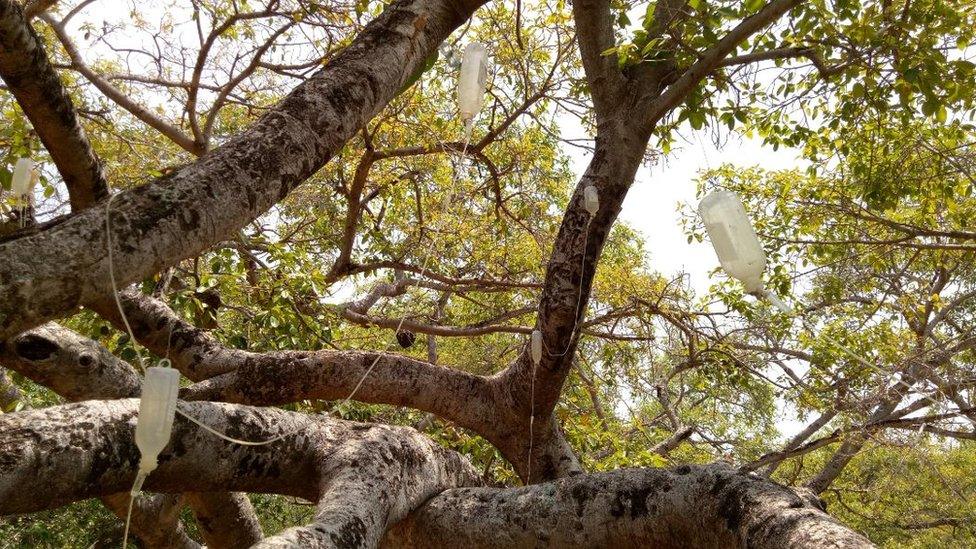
[
  {"x": 620, "y": 144},
  {"x": 673, "y": 95},
  {"x": 367, "y": 477},
  {"x": 73, "y": 366},
  {"x": 32, "y": 80},
  {"x": 48, "y": 274},
  {"x": 155, "y": 520},
  {"x": 569, "y": 276},
  {"x": 226, "y": 519},
  {"x": 594, "y": 32},
  {"x": 363, "y": 476},
  {"x": 286, "y": 377},
  {"x": 700, "y": 506},
  {"x": 78, "y": 368},
  {"x": 665, "y": 447}
]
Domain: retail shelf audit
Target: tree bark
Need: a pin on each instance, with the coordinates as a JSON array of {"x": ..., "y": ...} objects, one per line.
[
  {"x": 33, "y": 82},
  {"x": 226, "y": 519},
  {"x": 688, "y": 506},
  {"x": 47, "y": 275},
  {"x": 368, "y": 477},
  {"x": 363, "y": 476}
]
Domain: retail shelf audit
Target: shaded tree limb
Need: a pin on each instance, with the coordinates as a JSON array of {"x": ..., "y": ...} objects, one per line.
[
  {"x": 32, "y": 80},
  {"x": 368, "y": 477},
  {"x": 78, "y": 368},
  {"x": 687, "y": 506},
  {"x": 48, "y": 274},
  {"x": 364, "y": 476}
]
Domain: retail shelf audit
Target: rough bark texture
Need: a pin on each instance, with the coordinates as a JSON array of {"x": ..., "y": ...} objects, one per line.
[
  {"x": 689, "y": 506},
  {"x": 87, "y": 449},
  {"x": 47, "y": 275},
  {"x": 281, "y": 378},
  {"x": 34, "y": 83},
  {"x": 627, "y": 108},
  {"x": 78, "y": 368},
  {"x": 73, "y": 366},
  {"x": 155, "y": 520},
  {"x": 226, "y": 519},
  {"x": 365, "y": 476},
  {"x": 368, "y": 477}
]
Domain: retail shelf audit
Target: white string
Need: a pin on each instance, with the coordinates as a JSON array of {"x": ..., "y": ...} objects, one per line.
[
  {"x": 133, "y": 492},
  {"x": 140, "y": 476},
  {"x": 528, "y": 475},
  {"x": 218, "y": 434},
  {"x": 111, "y": 277},
  {"x": 164, "y": 363}
]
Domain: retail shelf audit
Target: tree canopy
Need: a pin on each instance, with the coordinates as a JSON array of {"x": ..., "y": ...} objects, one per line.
[{"x": 278, "y": 199}]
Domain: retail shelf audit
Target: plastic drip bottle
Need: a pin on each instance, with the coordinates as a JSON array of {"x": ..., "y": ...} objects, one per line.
[
  {"x": 591, "y": 200},
  {"x": 536, "y": 347},
  {"x": 472, "y": 84},
  {"x": 742, "y": 257},
  {"x": 157, "y": 408},
  {"x": 22, "y": 185},
  {"x": 23, "y": 180},
  {"x": 735, "y": 242}
]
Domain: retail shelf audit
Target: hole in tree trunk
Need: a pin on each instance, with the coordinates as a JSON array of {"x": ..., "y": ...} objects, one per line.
[{"x": 34, "y": 347}]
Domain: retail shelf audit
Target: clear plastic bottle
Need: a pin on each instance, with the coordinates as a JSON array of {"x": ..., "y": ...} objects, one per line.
[
  {"x": 735, "y": 241},
  {"x": 472, "y": 83},
  {"x": 536, "y": 347},
  {"x": 157, "y": 408},
  {"x": 22, "y": 182},
  {"x": 591, "y": 199}
]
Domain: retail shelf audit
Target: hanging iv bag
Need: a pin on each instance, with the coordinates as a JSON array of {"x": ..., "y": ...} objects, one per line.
[
  {"x": 536, "y": 347},
  {"x": 157, "y": 408},
  {"x": 472, "y": 82},
  {"x": 23, "y": 179},
  {"x": 735, "y": 241}
]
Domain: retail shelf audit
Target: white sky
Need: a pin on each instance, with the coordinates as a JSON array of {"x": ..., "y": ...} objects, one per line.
[{"x": 652, "y": 203}]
